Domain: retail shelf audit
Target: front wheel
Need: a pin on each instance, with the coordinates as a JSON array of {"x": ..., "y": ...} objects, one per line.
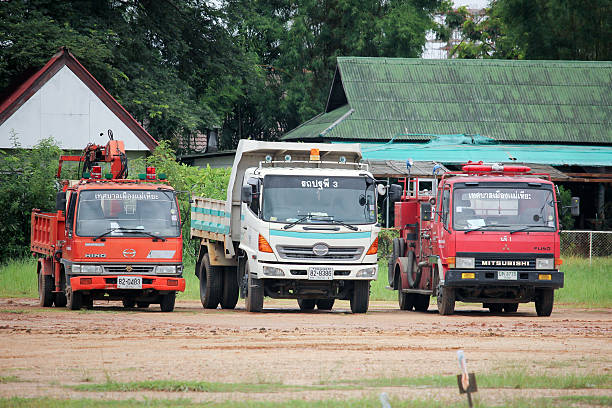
[
  {"x": 510, "y": 307},
  {"x": 255, "y": 293},
  {"x": 129, "y": 302},
  {"x": 421, "y": 302},
  {"x": 545, "y": 298},
  {"x": 74, "y": 300},
  {"x": 167, "y": 302},
  {"x": 142, "y": 305},
  {"x": 360, "y": 300},
  {"x": 446, "y": 301}
]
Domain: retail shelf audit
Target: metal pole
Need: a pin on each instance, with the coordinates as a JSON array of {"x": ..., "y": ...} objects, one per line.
[
  {"x": 387, "y": 221},
  {"x": 590, "y": 247}
]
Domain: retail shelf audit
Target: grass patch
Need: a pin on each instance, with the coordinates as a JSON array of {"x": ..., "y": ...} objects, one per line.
[
  {"x": 9, "y": 379},
  {"x": 18, "y": 278},
  {"x": 510, "y": 379},
  {"x": 182, "y": 386},
  {"x": 588, "y": 285}
]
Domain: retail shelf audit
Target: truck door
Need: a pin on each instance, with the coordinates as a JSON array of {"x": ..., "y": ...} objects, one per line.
[
  {"x": 249, "y": 231},
  {"x": 443, "y": 229}
]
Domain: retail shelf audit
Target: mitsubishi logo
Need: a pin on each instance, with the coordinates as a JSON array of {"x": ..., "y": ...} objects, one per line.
[
  {"x": 506, "y": 247},
  {"x": 129, "y": 253}
]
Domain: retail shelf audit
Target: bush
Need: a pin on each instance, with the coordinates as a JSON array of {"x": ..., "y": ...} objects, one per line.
[
  {"x": 385, "y": 242},
  {"x": 27, "y": 180}
]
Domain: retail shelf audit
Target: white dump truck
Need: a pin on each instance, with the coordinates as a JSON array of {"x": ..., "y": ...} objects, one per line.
[{"x": 299, "y": 222}]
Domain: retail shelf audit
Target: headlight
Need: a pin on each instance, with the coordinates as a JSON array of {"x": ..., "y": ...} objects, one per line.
[
  {"x": 464, "y": 263},
  {"x": 165, "y": 269},
  {"x": 90, "y": 269},
  {"x": 270, "y": 271},
  {"x": 366, "y": 273},
  {"x": 545, "y": 263}
]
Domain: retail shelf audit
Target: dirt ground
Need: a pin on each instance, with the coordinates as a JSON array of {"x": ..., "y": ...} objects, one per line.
[{"x": 47, "y": 349}]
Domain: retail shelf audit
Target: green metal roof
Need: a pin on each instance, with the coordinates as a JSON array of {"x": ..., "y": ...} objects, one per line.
[{"x": 505, "y": 100}]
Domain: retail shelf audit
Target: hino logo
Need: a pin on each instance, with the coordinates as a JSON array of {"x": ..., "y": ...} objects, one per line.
[
  {"x": 320, "y": 249},
  {"x": 505, "y": 263},
  {"x": 129, "y": 253}
]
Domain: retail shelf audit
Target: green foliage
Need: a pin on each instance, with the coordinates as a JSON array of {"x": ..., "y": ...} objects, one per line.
[
  {"x": 565, "y": 216},
  {"x": 385, "y": 241},
  {"x": 188, "y": 180},
  {"x": 27, "y": 180},
  {"x": 528, "y": 29}
]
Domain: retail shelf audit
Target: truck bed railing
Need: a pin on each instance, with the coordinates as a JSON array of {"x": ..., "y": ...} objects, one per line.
[{"x": 313, "y": 164}]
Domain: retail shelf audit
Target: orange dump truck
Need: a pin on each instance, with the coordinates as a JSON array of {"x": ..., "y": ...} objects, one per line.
[{"x": 110, "y": 238}]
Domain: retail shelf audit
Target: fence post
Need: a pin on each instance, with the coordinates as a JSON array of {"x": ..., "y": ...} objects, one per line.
[{"x": 590, "y": 247}]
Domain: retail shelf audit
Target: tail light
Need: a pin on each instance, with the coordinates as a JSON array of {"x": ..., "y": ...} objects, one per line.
[
  {"x": 263, "y": 245},
  {"x": 373, "y": 248},
  {"x": 96, "y": 172},
  {"x": 151, "y": 173}
]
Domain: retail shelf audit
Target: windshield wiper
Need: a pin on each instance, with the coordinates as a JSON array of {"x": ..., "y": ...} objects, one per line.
[
  {"x": 485, "y": 226},
  {"x": 294, "y": 223},
  {"x": 129, "y": 230},
  {"x": 344, "y": 224},
  {"x": 529, "y": 227}
]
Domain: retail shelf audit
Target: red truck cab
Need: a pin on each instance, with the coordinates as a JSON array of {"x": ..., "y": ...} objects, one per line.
[{"x": 492, "y": 238}]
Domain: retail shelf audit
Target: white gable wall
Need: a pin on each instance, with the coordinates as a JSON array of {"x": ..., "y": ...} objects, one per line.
[{"x": 65, "y": 109}]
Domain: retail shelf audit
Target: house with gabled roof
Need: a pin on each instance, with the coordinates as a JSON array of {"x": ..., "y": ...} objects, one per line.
[
  {"x": 556, "y": 115},
  {"x": 64, "y": 101}
]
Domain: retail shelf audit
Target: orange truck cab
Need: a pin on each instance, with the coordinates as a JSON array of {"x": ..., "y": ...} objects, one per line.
[
  {"x": 489, "y": 234},
  {"x": 112, "y": 239}
]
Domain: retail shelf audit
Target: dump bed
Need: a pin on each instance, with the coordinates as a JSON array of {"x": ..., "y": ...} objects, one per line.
[
  {"x": 209, "y": 219},
  {"x": 45, "y": 232}
]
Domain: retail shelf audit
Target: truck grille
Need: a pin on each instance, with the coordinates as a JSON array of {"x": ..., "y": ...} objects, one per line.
[
  {"x": 125, "y": 269},
  {"x": 306, "y": 252},
  {"x": 498, "y": 261}
]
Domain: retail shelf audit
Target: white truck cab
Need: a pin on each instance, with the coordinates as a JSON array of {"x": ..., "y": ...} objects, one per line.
[{"x": 302, "y": 224}]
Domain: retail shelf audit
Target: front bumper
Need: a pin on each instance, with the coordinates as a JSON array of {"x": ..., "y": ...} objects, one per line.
[
  {"x": 300, "y": 271},
  {"x": 454, "y": 278},
  {"x": 109, "y": 282}
]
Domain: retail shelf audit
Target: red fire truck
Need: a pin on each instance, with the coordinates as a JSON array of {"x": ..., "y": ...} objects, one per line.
[
  {"x": 489, "y": 235},
  {"x": 110, "y": 237}
]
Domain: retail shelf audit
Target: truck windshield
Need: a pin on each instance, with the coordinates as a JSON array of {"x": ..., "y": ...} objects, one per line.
[
  {"x": 494, "y": 208},
  {"x": 127, "y": 213},
  {"x": 318, "y": 200}
]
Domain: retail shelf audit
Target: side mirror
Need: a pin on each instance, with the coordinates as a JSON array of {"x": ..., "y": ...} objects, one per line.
[
  {"x": 575, "y": 207},
  {"x": 426, "y": 211},
  {"x": 246, "y": 195},
  {"x": 60, "y": 201},
  {"x": 432, "y": 201},
  {"x": 395, "y": 192},
  {"x": 380, "y": 188}
]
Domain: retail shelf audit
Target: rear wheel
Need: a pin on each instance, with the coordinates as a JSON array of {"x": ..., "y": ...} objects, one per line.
[
  {"x": 307, "y": 304},
  {"x": 510, "y": 307},
  {"x": 142, "y": 305},
  {"x": 74, "y": 300},
  {"x": 544, "y": 301},
  {"x": 129, "y": 302},
  {"x": 495, "y": 307},
  {"x": 229, "y": 297},
  {"x": 421, "y": 302},
  {"x": 413, "y": 272},
  {"x": 167, "y": 302},
  {"x": 446, "y": 301},
  {"x": 360, "y": 299},
  {"x": 397, "y": 251},
  {"x": 60, "y": 298},
  {"x": 45, "y": 290},
  {"x": 255, "y": 293},
  {"x": 325, "y": 304},
  {"x": 211, "y": 281}
]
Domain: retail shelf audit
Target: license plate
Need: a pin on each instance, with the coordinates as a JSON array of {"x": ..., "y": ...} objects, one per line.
[
  {"x": 506, "y": 275},
  {"x": 129, "y": 282},
  {"x": 320, "y": 273}
]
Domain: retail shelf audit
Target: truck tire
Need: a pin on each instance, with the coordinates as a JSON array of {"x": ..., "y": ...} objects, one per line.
[
  {"x": 307, "y": 305},
  {"x": 142, "y": 305},
  {"x": 544, "y": 301},
  {"x": 414, "y": 272},
  {"x": 255, "y": 293},
  {"x": 167, "y": 302},
  {"x": 510, "y": 307},
  {"x": 74, "y": 300},
  {"x": 45, "y": 290},
  {"x": 60, "y": 298},
  {"x": 421, "y": 302},
  {"x": 405, "y": 300},
  {"x": 396, "y": 252},
  {"x": 495, "y": 307},
  {"x": 128, "y": 302},
  {"x": 229, "y": 297},
  {"x": 360, "y": 299},
  {"x": 211, "y": 283},
  {"x": 325, "y": 304},
  {"x": 446, "y": 301}
]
